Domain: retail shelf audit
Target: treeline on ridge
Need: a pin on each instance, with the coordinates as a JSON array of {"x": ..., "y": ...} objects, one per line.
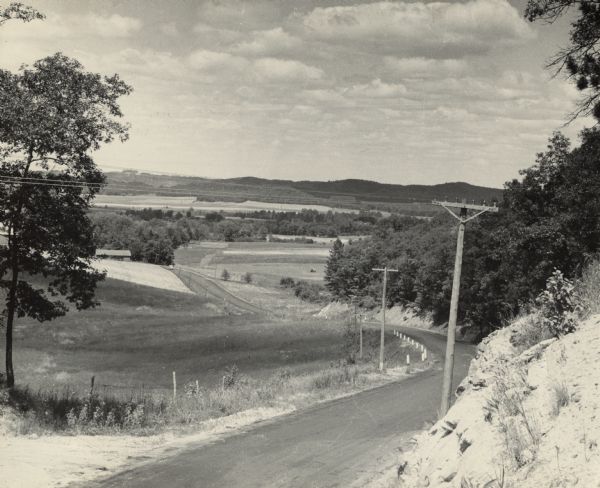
[{"x": 549, "y": 219}]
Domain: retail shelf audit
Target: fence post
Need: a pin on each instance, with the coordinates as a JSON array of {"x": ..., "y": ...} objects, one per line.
[{"x": 174, "y": 385}]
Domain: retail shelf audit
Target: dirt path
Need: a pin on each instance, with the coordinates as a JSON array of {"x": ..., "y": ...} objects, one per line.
[
  {"x": 338, "y": 443},
  {"x": 202, "y": 284}
]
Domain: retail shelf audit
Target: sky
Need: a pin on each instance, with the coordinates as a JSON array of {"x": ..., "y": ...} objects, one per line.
[{"x": 407, "y": 92}]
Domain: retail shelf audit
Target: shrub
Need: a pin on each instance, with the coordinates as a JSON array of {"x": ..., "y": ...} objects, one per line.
[
  {"x": 287, "y": 282},
  {"x": 519, "y": 427},
  {"x": 530, "y": 330},
  {"x": 559, "y": 305},
  {"x": 231, "y": 377},
  {"x": 247, "y": 278},
  {"x": 588, "y": 289},
  {"x": 561, "y": 397},
  {"x": 225, "y": 275},
  {"x": 310, "y": 292}
]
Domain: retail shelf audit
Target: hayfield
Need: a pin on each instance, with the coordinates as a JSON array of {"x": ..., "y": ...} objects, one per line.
[
  {"x": 139, "y": 335},
  {"x": 186, "y": 202},
  {"x": 268, "y": 262}
]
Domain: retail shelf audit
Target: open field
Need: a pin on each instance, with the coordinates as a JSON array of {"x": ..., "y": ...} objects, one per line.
[
  {"x": 187, "y": 202},
  {"x": 141, "y": 273},
  {"x": 268, "y": 262},
  {"x": 139, "y": 335}
]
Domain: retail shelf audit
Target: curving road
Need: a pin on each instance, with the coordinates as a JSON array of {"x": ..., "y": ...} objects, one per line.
[
  {"x": 338, "y": 443},
  {"x": 200, "y": 284}
]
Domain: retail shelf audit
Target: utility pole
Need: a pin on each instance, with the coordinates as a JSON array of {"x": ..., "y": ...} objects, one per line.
[
  {"x": 383, "y": 306},
  {"x": 462, "y": 218}
]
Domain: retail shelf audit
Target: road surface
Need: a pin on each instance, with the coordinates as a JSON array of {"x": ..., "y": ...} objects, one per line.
[
  {"x": 333, "y": 444},
  {"x": 201, "y": 284}
]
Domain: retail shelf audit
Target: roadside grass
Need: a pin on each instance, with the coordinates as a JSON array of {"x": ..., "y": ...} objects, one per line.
[{"x": 144, "y": 412}]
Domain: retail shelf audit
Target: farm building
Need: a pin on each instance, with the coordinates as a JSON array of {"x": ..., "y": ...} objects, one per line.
[{"x": 117, "y": 254}]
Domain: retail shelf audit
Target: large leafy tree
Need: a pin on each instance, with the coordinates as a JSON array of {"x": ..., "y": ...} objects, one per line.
[
  {"x": 581, "y": 57},
  {"x": 53, "y": 115}
]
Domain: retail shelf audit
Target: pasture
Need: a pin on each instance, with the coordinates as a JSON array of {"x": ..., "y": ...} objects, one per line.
[
  {"x": 139, "y": 335},
  {"x": 268, "y": 262}
]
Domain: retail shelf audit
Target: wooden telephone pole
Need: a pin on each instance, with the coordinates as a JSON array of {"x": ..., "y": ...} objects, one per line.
[
  {"x": 462, "y": 218},
  {"x": 383, "y": 306}
]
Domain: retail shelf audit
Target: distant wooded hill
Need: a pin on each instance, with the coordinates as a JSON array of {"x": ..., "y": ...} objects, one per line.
[{"x": 351, "y": 192}]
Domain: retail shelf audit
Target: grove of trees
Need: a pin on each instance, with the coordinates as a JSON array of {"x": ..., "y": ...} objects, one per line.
[{"x": 550, "y": 218}]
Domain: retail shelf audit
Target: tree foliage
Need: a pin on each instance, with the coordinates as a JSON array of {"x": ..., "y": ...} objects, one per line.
[
  {"x": 52, "y": 116},
  {"x": 18, "y": 11},
  {"x": 550, "y": 218},
  {"x": 581, "y": 58}
]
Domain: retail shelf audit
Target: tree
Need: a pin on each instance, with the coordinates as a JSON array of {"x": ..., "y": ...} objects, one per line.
[
  {"x": 52, "y": 116},
  {"x": 17, "y": 10},
  {"x": 247, "y": 277},
  {"x": 581, "y": 58},
  {"x": 225, "y": 275}
]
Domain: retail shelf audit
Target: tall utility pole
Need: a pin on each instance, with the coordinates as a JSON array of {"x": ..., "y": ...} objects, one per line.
[
  {"x": 383, "y": 306},
  {"x": 462, "y": 218}
]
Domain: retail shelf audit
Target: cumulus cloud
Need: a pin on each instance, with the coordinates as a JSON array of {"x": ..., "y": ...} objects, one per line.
[
  {"x": 240, "y": 14},
  {"x": 267, "y": 43},
  {"x": 213, "y": 61},
  {"x": 273, "y": 69},
  {"x": 440, "y": 28},
  {"x": 75, "y": 26},
  {"x": 419, "y": 67},
  {"x": 377, "y": 89}
]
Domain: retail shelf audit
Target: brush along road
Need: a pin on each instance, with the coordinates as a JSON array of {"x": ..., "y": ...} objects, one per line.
[{"x": 332, "y": 444}]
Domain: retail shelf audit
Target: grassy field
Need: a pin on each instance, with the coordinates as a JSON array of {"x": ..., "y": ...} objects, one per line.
[
  {"x": 139, "y": 335},
  {"x": 268, "y": 262},
  {"x": 186, "y": 202}
]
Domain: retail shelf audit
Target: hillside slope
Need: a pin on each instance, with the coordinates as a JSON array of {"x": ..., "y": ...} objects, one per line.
[
  {"x": 524, "y": 418},
  {"x": 308, "y": 192}
]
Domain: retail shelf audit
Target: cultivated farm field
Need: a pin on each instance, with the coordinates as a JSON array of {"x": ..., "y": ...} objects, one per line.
[
  {"x": 268, "y": 262},
  {"x": 186, "y": 202}
]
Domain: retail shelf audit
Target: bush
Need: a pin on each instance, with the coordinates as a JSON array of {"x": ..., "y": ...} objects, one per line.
[
  {"x": 247, "y": 278},
  {"x": 530, "y": 330},
  {"x": 588, "y": 289},
  {"x": 287, "y": 282},
  {"x": 309, "y": 292},
  {"x": 559, "y": 305},
  {"x": 225, "y": 275}
]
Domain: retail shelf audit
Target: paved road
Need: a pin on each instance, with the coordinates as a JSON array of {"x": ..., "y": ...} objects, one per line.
[
  {"x": 332, "y": 444},
  {"x": 201, "y": 284}
]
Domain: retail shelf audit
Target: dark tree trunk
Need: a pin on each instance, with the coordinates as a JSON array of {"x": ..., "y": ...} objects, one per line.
[
  {"x": 10, "y": 317},
  {"x": 11, "y": 304}
]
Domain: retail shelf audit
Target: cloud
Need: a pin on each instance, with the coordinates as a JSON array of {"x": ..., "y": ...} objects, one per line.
[
  {"x": 377, "y": 89},
  {"x": 421, "y": 67},
  {"x": 169, "y": 29},
  {"x": 240, "y": 14},
  {"x": 440, "y": 29},
  {"x": 75, "y": 26},
  {"x": 212, "y": 61},
  {"x": 267, "y": 43},
  {"x": 273, "y": 69}
]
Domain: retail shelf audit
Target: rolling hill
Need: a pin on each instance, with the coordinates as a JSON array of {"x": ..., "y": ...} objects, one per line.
[{"x": 350, "y": 192}]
